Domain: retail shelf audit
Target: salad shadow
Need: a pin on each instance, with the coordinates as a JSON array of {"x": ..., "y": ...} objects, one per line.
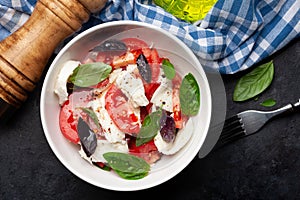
[{"x": 218, "y": 115}]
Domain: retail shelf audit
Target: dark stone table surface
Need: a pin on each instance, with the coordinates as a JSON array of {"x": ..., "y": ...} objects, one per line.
[{"x": 265, "y": 165}]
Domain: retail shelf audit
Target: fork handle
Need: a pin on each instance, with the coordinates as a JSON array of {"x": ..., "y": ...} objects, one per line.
[
  {"x": 296, "y": 106},
  {"x": 289, "y": 108}
]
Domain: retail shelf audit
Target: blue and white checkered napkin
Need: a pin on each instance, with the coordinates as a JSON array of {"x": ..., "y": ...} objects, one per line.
[{"x": 234, "y": 35}]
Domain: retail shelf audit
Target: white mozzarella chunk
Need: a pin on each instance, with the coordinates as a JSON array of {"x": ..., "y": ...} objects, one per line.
[
  {"x": 104, "y": 146},
  {"x": 83, "y": 155},
  {"x": 111, "y": 131},
  {"x": 114, "y": 75},
  {"x": 132, "y": 87},
  {"x": 61, "y": 83},
  {"x": 162, "y": 97},
  {"x": 161, "y": 145},
  {"x": 111, "y": 79},
  {"x": 182, "y": 137}
]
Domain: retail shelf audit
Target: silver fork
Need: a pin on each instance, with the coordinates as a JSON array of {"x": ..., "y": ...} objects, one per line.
[{"x": 249, "y": 122}]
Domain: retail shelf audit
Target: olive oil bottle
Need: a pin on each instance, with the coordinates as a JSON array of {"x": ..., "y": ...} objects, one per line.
[{"x": 188, "y": 10}]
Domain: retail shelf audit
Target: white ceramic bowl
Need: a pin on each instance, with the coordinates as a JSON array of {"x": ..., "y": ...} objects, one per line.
[{"x": 168, "y": 45}]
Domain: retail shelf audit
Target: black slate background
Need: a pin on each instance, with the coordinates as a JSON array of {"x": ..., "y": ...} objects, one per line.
[{"x": 262, "y": 166}]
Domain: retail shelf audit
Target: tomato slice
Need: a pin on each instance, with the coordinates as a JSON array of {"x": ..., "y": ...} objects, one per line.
[
  {"x": 150, "y": 89},
  {"x": 67, "y": 123},
  {"x": 134, "y": 44},
  {"x": 147, "y": 151},
  {"x": 120, "y": 110},
  {"x": 179, "y": 118},
  {"x": 103, "y": 57},
  {"x": 155, "y": 63},
  {"x": 137, "y": 46},
  {"x": 68, "y": 117},
  {"x": 124, "y": 60}
]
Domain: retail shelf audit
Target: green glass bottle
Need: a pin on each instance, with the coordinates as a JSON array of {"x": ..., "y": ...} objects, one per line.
[{"x": 188, "y": 10}]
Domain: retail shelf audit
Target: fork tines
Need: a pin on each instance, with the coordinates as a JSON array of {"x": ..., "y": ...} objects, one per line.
[{"x": 233, "y": 129}]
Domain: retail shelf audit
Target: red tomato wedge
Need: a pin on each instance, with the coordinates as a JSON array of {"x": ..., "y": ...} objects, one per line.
[
  {"x": 136, "y": 47},
  {"x": 124, "y": 60},
  {"x": 121, "y": 111},
  {"x": 134, "y": 44},
  {"x": 150, "y": 89},
  {"x": 155, "y": 63},
  {"x": 67, "y": 123},
  {"x": 179, "y": 118},
  {"x": 68, "y": 117},
  {"x": 147, "y": 151}
]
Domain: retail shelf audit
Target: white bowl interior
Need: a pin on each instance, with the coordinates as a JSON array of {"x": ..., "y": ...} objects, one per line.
[{"x": 169, "y": 46}]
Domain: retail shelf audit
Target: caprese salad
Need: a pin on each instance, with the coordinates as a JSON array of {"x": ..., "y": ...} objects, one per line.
[{"x": 126, "y": 106}]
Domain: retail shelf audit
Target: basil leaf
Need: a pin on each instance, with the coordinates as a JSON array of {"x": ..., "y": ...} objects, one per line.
[
  {"x": 92, "y": 115},
  {"x": 150, "y": 128},
  {"x": 254, "y": 83},
  {"x": 168, "y": 129},
  {"x": 111, "y": 46},
  {"x": 168, "y": 68},
  {"x": 87, "y": 137},
  {"x": 90, "y": 74},
  {"x": 268, "y": 103},
  {"x": 144, "y": 68},
  {"x": 127, "y": 166},
  {"x": 131, "y": 176},
  {"x": 189, "y": 95}
]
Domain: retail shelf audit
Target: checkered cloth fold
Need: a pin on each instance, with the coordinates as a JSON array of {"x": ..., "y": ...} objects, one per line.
[{"x": 233, "y": 36}]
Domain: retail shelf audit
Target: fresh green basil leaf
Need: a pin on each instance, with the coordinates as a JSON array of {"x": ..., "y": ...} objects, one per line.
[
  {"x": 254, "y": 83},
  {"x": 131, "y": 176},
  {"x": 168, "y": 68},
  {"x": 92, "y": 115},
  {"x": 189, "y": 95},
  {"x": 89, "y": 74},
  {"x": 150, "y": 128},
  {"x": 127, "y": 166},
  {"x": 268, "y": 103}
]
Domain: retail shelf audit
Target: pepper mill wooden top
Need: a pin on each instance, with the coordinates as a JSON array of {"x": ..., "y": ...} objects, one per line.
[{"x": 25, "y": 53}]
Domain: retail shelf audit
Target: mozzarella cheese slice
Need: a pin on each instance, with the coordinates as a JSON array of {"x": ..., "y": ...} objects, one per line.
[
  {"x": 182, "y": 137},
  {"x": 60, "y": 88},
  {"x": 132, "y": 87},
  {"x": 111, "y": 131},
  {"x": 103, "y": 146},
  {"x": 162, "y": 97}
]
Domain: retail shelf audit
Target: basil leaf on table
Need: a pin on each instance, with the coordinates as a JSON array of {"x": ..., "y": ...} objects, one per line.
[
  {"x": 168, "y": 68},
  {"x": 89, "y": 74},
  {"x": 150, "y": 128},
  {"x": 127, "y": 166},
  {"x": 268, "y": 103},
  {"x": 189, "y": 95},
  {"x": 254, "y": 83}
]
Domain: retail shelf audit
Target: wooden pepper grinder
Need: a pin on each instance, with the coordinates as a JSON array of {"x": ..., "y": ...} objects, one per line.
[{"x": 25, "y": 53}]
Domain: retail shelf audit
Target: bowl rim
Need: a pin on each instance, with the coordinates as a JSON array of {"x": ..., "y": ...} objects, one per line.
[{"x": 43, "y": 99}]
